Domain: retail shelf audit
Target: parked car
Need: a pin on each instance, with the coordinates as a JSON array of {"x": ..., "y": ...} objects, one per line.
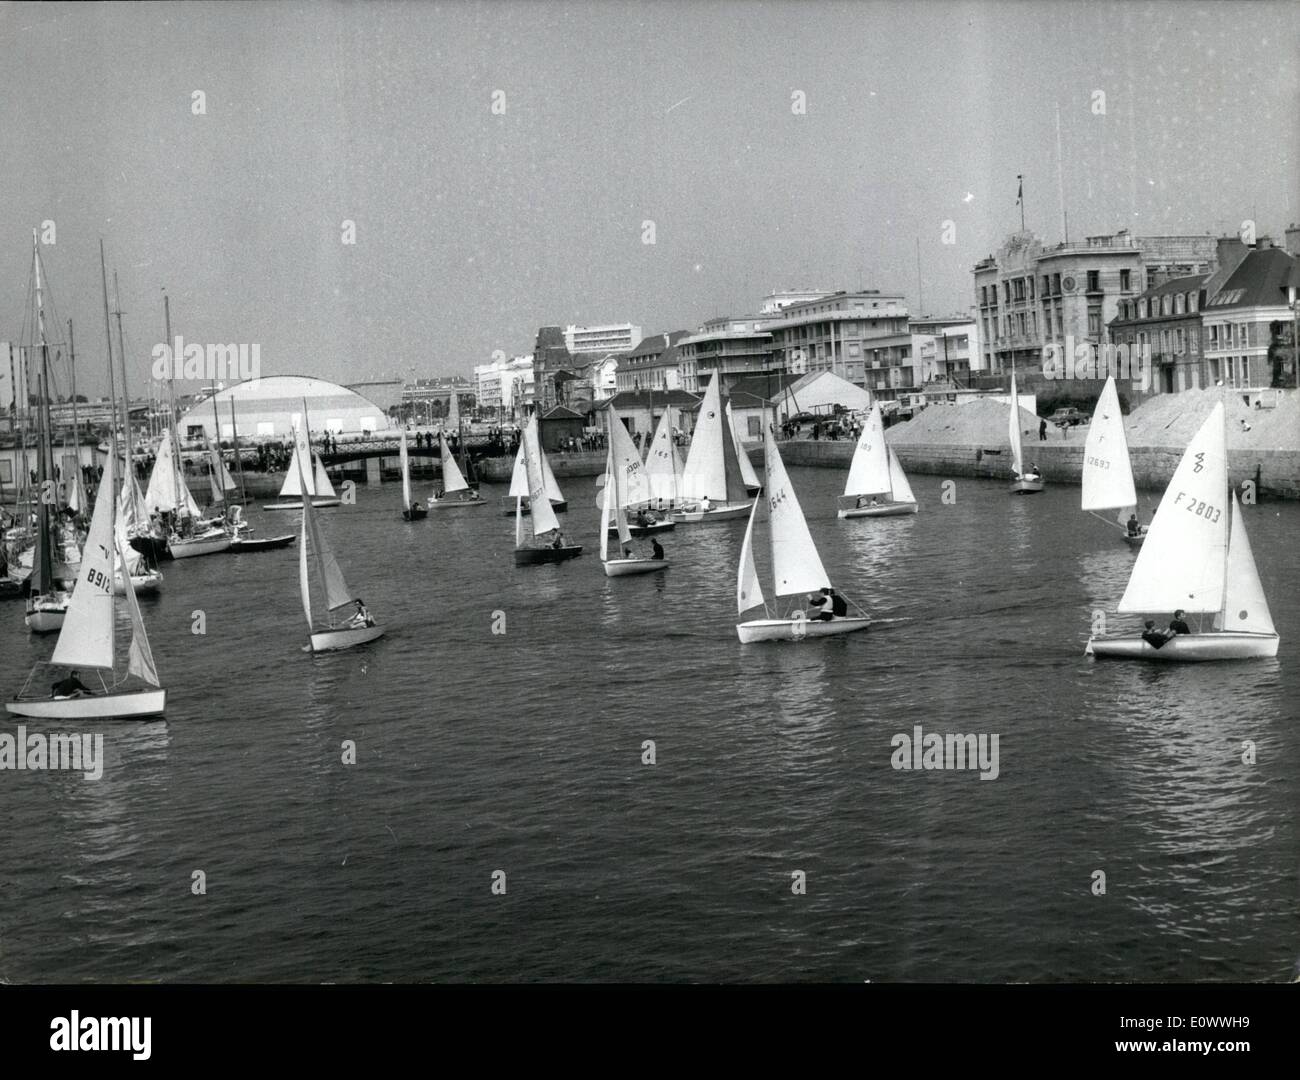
[{"x": 1068, "y": 417}]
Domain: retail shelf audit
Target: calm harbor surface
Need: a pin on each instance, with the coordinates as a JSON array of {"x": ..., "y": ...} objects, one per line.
[{"x": 522, "y": 752}]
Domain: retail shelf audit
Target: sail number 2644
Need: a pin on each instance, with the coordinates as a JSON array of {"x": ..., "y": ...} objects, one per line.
[{"x": 1201, "y": 509}]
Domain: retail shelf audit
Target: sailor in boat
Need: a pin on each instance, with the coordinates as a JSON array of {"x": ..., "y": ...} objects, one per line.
[
  {"x": 657, "y": 548},
  {"x": 1153, "y": 637},
  {"x": 1178, "y": 625},
  {"x": 705, "y": 505},
  {"x": 1134, "y": 528},
  {"x": 643, "y": 519},
  {"x": 361, "y": 617},
  {"x": 1032, "y": 474},
  {"x": 830, "y": 605},
  {"x": 71, "y": 687},
  {"x": 559, "y": 540},
  {"x": 628, "y": 553}
]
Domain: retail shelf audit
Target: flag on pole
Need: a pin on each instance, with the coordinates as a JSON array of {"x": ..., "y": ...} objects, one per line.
[{"x": 1020, "y": 193}]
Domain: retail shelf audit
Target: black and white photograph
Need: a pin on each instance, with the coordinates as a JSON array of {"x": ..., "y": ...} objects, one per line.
[{"x": 712, "y": 494}]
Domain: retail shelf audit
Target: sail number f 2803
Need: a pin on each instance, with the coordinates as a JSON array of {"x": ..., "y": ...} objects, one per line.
[
  {"x": 1201, "y": 509},
  {"x": 100, "y": 580}
]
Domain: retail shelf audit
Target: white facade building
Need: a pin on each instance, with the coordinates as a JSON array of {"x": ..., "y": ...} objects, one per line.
[
  {"x": 612, "y": 338},
  {"x": 505, "y": 384}
]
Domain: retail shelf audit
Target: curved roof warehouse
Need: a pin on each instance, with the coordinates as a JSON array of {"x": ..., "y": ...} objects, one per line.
[{"x": 269, "y": 407}]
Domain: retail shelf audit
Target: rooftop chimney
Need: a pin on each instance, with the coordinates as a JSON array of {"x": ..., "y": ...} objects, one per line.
[{"x": 1293, "y": 240}]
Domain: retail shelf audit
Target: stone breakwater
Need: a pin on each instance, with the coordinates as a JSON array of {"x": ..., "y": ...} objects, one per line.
[{"x": 1275, "y": 472}]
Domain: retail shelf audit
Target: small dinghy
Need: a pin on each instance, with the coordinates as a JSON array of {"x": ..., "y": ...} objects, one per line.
[
  {"x": 713, "y": 484},
  {"x": 796, "y": 566},
  {"x": 544, "y": 522},
  {"x": 877, "y": 486},
  {"x": 1197, "y": 559},
  {"x": 625, "y": 484},
  {"x": 1022, "y": 482},
  {"x": 1107, "y": 472},
  {"x": 315, "y": 484},
  {"x": 453, "y": 483},
  {"x": 411, "y": 511}
]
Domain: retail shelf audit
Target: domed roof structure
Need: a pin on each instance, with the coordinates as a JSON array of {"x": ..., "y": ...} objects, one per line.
[{"x": 270, "y": 407}]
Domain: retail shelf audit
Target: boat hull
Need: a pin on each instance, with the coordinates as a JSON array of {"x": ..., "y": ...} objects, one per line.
[
  {"x": 558, "y": 507},
  {"x": 722, "y": 513},
  {"x": 415, "y": 513},
  {"x": 128, "y": 706},
  {"x": 319, "y": 504},
  {"x": 1187, "y": 648},
  {"x": 45, "y": 621},
  {"x": 143, "y": 584},
  {"x": 151, "y": 547},
  {"x": 344, "y": 638},
  {"x": 455, "y": 504},
  {"x": 1025, "y": 487},
  {"x": 887, "y": 510},
  {"x": 645, "y": 530},
  {"x": 628, "y": 567},
  {"x": 534, "y": 556},
  {"x": 798, "y": 629},
  {"x": 190, "y": 549},
  {"x": 1134, "y": 541},
  {"x": 240, "y": 547}
]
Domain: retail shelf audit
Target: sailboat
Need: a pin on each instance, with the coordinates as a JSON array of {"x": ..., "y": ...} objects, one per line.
[
  {"x": 244, "y": 541},
  {"x": 411, "y": 511},
  {"x": 713, "y": 486},
  {"x": 796, "y": 566},
  {"x": 453, "y": 482},
  {"x": 314, "y": 481},
  {"x": 625, "y": 484},
  {"x": 519, "y": 484},
  {"x": 87, "y": 640},
  {"x": 543, "y": 513},
  {"x": 747, "y": 473},
  {"x": 1107, "y": 473},
  {"x": 134, "y": 571},
  {"x": 314, "y": 551},
  {"x": 168, "y": 493},
  {"x": 634, "y": 487},
  {"x": 1022, "y": 483},
  {"x": 875, "y": 475},
  {"x": 1197, "y": 559},
  {"x": 663, "y": 464}
]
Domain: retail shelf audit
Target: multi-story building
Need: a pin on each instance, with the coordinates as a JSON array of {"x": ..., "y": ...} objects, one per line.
[
  {"x": 1245, "y": 314},
  {"x": 945, "y": 349},
  {"x": 861, "y": 336},
  {"x": 427, "y": 399},
  {"x": 653, "y": 364},
  {"x": 1028, "y": 294},
  {"x": 734, "y": 346},
  {"x": 1165, "y": 320},
  {"x": 614, "y": 338},
  {"x": 504, "y": 385},
  {"x": 776, "y": 302}
]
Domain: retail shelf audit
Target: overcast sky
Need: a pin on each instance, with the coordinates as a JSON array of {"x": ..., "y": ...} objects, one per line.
[{"x": 474, "y": 228}]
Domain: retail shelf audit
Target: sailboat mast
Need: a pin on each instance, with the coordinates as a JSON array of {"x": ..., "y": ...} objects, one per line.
[
  {"x": 239, "y": 460},
  {"x": 171, "y": 405},
  {"x": 127, "y": 474},
  {"x": 76, "y": 425},
  {"x": 112, "y": 384}
]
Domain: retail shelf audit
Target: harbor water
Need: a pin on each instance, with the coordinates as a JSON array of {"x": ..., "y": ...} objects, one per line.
[{"x": 1141, "y": 824}]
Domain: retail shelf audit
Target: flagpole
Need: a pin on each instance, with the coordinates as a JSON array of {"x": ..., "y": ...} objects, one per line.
[{"x": 1021, "y": 200}]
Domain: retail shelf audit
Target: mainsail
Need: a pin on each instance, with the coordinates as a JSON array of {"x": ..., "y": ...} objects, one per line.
[
  {"x": 869, "y": 472},
  {"x": 452, "y": 479},
  {"x": 295, "y": 478},
  {"x": 1107, "y": 475},
  {"x": 519, "y": 481},
  {"x": 86, "y": 640},
  {"x": 1013, "y": 433},
  {"x": 1182, "y": 561},
  {"x": 749, "y": 590},
  {"x": 167, "y": 490},
  {"x": 633, "y": 485},
  {"x": 539, "y": 501},
  {"x": 705, "y": 473},
  {"x": 796, "y": 566},
  {"x": 404, "y": 458},
  {"x": 663, "y": 465},
  {"x": 327, "y": 567}
]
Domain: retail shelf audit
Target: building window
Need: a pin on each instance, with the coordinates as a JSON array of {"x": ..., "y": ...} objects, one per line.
[
  {"x": 1056, "y": 284},
  {"x": 1125, "y": 280},
  {"x": 1180, "y": 340},
  {"x": 1094, "y": 323},
  {"x": 1193, "y": 300},
  {"x": 1243, "y": 336},
  {"x": 1178, "y": 304},
  {"x": 1214, "y": 335},
  {"x": 1094, "y": 281},
  {"x": 1142, "y": 309}
]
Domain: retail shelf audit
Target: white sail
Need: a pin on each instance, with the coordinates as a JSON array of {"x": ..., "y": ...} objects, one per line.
[
  {"x": 304, "y": 574},
  {"x": 336, "y": 589},
  {"x": 747, "y": 473},
  {"x": 663, "y": 465},
  {"x": 633, "y": 486},
  {"x": 452, "y": 479},
  {"x": 553, "y": 491},
  {"x": 1013, "y": 433},
  {"x": 539, "y": 502},
  {"x": 72, "y": 483},
  {"x": 217, "y": 468},
  {"x": 453, "y": 409},
  {"x": 166, "y": 484},
  {"x": 1181, "y": 562},
  {"x": 1107, "y": 475},
  {"x": 296, "y": 476},
  {"x": 405, "y": 460},
  {"x": 519, "y": 478},
  {"x": 1244, "y": 604},
  {"x": 140, "y": 661},
  {"x": 869, "y": 470},
  {"x": 324, "y": 489},
  {"x": 749, "y": 590},
  {"x": 607, "y": 500},
  {"x": 86, "y": 640},
  {"x": 218, "y": 496},
  {"x": 705, "y": 473},
  {"x": 899, "y": 488},
  {"x": 796, "y": 566}
]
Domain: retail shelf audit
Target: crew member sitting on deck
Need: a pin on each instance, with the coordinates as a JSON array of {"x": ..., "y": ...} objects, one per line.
[
  {"x": 628, "y": 553},
  {"x": 361, "y": 617},
  {"x": 825, "y": 606},
  {"x": 70, "y": 687},
  {"x": 705, "y": 505},
  {"x": 559, "y": 541},
  {"x": 1153, "y": 637},
  {"x": 643, "y": 519},
  {"x": 839, "y": 606},
  {"x": 656, "y": 548},
  {"x": 1178, "y": 626},
  {"x": 1134, "y": 529}
]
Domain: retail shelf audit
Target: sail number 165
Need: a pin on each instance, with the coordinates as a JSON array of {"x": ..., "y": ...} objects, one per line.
[{"x": 1201, "y": 509}]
